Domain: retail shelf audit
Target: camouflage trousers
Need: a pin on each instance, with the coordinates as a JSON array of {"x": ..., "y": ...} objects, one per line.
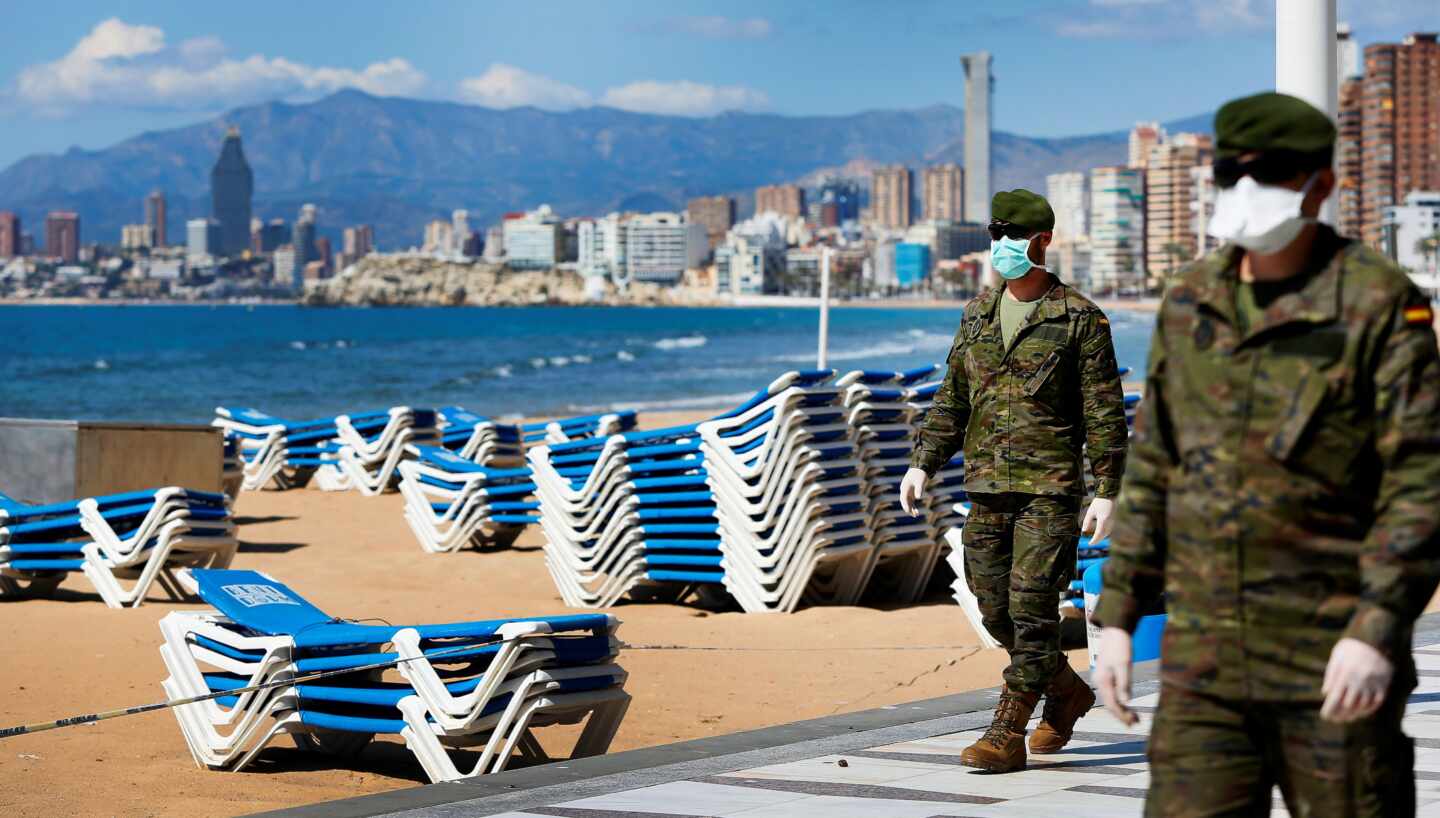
[
  {"x": 1216, "y": 757},
  {"x": 1019, "y": 555}
]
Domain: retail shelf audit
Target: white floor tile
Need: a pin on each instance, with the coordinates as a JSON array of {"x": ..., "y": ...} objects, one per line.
[{"x": 687, "y": 798}]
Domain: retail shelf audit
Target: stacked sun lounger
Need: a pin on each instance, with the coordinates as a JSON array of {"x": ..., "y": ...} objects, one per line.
[
  {"x": 582, "y": 426},
  {"x": 885, "y": 409},
  {"x": 791, "y": 496},
  {"x": 366, "y": 459},
  {"x": 348, "y": 451},
  {"x": 638, "y": 513},
  {"x": 452, "y": 502},
  {"x": 627, "y": 514},
  {"x": 233, "y": 470},
  {"x": 480, "y": 685},
  {"x": 139, "y": 537}
]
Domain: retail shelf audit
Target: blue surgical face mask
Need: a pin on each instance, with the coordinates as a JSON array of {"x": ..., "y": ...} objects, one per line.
[{"x": 1011, "y": 257}]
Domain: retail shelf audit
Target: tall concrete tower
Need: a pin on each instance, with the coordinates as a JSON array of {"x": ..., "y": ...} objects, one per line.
[
  {"x": 979, "y": 93},
  {"x": 231, "y": 186}
]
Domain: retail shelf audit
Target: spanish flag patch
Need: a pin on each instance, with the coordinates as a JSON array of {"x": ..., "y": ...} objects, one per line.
[{"x": 1418, "y": 315}]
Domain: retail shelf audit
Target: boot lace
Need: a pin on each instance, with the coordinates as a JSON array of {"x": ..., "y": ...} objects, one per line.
[{"x": 1005, "y": 713}]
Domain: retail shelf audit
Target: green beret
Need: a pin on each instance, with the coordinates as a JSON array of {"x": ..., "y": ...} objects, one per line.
[
  {"x": 1271, "y": 122},
  {"x": 1024, "y": 208}
]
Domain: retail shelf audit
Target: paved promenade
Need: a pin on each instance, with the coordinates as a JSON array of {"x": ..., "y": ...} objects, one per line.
[{"x": 898, "y": 762}]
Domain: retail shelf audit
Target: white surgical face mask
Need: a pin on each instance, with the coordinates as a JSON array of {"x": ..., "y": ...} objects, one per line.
[{"x": 1263, "y": 219}]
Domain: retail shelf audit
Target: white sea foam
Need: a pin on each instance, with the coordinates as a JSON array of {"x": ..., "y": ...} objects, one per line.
[
  {"x": 102, "y": 364},
  {"x": 342, "y": 344},
  {"x": 625, "y": 355},
  {"x": 697, "y": 402},
  {"x": 538, "y": 363},
  {"x": 504, "y": 371},
  {"x": 880, "y": 350},
  {"x": 581, "y": 359},
  {"x": 559, "y": 360},
  {"x": 297, "y": 344},
  {"x": 683, "y": 342}
]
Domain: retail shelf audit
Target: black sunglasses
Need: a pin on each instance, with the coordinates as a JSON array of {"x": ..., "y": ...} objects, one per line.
[
  {"x": 1270, "y": 168},
  {"x": 1014, "y": 232}
]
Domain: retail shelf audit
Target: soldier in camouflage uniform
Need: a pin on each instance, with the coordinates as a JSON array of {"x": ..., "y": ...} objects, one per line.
[
  {"x": 1025, "y": 400},
  {"x": 1284, "y": 495}
]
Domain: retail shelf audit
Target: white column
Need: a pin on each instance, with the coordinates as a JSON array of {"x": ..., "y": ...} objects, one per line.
[
  {"x": 1305, "y": 58},
  {"x": 821, "y": 359}
]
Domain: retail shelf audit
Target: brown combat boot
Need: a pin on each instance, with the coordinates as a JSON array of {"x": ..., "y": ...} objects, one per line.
[
  {"x": 1002, "y": 748},
  {"x": 1066, "y": 700}
]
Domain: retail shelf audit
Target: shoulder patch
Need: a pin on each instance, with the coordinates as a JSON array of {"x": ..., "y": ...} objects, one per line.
[{"x": 1419, "y": 314}]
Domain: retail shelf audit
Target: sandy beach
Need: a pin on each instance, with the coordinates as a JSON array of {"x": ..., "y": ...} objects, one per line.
[{"x": 354, "y": 557}]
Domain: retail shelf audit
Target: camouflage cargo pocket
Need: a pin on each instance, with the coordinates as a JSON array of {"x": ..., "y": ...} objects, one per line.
[
  {"x": 1312, "y": 439},
  {"x": 1037, "y": 381}
]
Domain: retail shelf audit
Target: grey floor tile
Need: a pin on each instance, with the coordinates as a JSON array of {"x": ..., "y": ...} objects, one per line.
[{"x": 685, "y": 797}]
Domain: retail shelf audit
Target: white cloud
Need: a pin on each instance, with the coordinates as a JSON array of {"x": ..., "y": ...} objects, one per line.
[
  {"x": 1172, "y": 19},
  {"x": 505, "y": 86},
  {"x": 683, "y": 98},
  {"x": 718, "y": 28},
  {"x": 116, "y": 38},
  {"x": 123, "y": 65}
]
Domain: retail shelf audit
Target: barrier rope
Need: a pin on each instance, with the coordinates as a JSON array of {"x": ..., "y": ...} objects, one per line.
[{"x": 290, "y": 681}]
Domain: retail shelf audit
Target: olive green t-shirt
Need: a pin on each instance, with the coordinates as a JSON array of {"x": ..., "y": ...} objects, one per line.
[
  {"x": 1253, "y": 298},
  {"x": 1013, "y": 315}
]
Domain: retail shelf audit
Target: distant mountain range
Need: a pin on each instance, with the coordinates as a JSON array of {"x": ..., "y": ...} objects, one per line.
[{"x": 398, "y": 163}]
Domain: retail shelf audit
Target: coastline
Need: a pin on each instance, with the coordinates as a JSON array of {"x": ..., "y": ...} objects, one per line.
[{"x": 1146, "y": 305}]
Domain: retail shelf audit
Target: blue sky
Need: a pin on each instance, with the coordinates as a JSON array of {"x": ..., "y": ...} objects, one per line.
[{"x": 94, "y": 73}]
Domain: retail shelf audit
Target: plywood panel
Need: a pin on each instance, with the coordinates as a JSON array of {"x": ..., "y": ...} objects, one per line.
[{"x": 114, "y": 458}]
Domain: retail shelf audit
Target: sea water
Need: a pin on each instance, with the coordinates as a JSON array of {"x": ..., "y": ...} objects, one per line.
[{"x": 172, "y": 363}]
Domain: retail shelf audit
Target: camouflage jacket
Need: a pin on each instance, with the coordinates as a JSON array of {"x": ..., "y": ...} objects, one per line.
[
  {"x": 1024, "y": 414},
  {"x": 1284, "y": 484}
]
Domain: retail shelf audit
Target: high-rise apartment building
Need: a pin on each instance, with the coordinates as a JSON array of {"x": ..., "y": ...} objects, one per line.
[
  {"x": 62, "y": 235},
  {"x": 600, "y": 247},
  {"x": 787, "y": 200},
  {"x": 660, "y": 247},
  {"x": 357, "y": 242},
  {"x": 266, "y": 237},
  {"x": 1069, "y": 196},
  {"x": 1202, "y": 208},
  {"x": 137, "y": 237},
  {"x": 1117, "y": 228},
  {"x": 979, "y": 96},
  {"x": 890, "y": 196},
  {"x": 155, "y": 218},
  {"x": 1409, "y": 227},
  {"x": 302, "y": 237},
  {"x": 1170, "y": 237},
  {"x": 1143, "y": 137},
  {"x": 9, "y": 234},
  {"x": 202, "y": 239},
  {"x": 715, "y": 213},
  {"x": 844, "y": 195},
  {"x": 1400, "y": 127},
  {"x": 439, "y": 235},
  {"x": 534, "y": 240},
  {"x": 231, "y": 187},
  {"x": 944, "y": 192},
  {"x": 1349, "y": 159},
  {"x": 459, "y": 231},
  {"x": 323, "y": 254},
  {"x": 1347, "y": 55}
]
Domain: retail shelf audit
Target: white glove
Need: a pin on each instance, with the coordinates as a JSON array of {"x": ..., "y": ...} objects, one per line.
[
  {"x": 1097, "y": 519},
  {"x": 1356, "y": 680},
  {"x": 912, "y": 491},
  {"x": 1112, "y": 674}
]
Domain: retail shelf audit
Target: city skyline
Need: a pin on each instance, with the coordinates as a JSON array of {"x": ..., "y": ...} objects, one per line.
[{"x": 89, "y": 79}]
